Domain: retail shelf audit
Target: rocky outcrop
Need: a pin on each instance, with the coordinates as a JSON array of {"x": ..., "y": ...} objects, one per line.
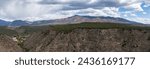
[
  {"x": 8, "y": 45},
  {"x": 89, "y": 40}
]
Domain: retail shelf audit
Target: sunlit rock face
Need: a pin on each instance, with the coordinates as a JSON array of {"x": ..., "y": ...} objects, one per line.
[{"x": 8, "y": 45}]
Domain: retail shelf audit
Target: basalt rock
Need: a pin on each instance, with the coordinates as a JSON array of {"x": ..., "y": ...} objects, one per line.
[
  {"x": 8, "y": 45},
  {"x": 89, "y": 40}
]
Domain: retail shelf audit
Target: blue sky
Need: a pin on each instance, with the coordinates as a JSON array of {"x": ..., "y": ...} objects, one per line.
[{"x": 135, "y": 10}]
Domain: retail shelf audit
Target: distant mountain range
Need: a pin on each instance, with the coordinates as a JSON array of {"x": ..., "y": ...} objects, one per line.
[
  {"x": 14, "y": 23},
  {"x": 69, "y": 20},
  {"x": 4, "y": 23}
]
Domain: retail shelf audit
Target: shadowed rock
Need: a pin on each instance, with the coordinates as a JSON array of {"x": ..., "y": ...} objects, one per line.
[{"x": 89, "y": 40}]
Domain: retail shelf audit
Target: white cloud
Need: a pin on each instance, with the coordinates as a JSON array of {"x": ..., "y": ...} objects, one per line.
[
  {"x": 133, "y": 14},
  {"x": 19, "y": 9},
  {"x": 140, "y": 19},
  {"x": 147, "y": 5},
  {"x": 127, "y": 2},
  {"x": 128, "y": 14},
  {"x": 147, "y": 2},
  {"x": 53, "y": 9},
  {"x": 112, "y": 11},
  {"x": 107, "y": 11},
  {"x": 144, "y": 13},
  {"x": 135, "y": 6},
  {"x": 92, "y": 1},
  {"x": 32, "y": 10}
]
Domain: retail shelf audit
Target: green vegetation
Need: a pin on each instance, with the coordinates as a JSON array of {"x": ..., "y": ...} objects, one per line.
[
  {"x": 25, "y": 30},
  {"x": 7, "y": 31},
  {"x": 21, "y": 31},
  {"x": 70, "y": 27},
  {"x": 148, "y": 38}
]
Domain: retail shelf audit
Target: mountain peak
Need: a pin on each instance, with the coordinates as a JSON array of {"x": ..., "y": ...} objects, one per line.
[
  {"x": 69, "y": 20},
  {"x": 79, "y": 19},
  {"x": 75, "y": 16}
]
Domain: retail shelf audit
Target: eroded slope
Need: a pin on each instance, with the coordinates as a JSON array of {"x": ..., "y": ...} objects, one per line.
[
  {"x": 8, "y": 45},
  {"x": 90, "y": 40}
]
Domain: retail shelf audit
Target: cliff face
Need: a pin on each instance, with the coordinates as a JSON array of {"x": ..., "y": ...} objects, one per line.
[
  {"x": 89, "y": 40},
  {"x": 8, "y": 45}
]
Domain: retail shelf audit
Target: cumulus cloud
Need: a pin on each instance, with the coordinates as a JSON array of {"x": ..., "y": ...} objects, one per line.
[
  {"x": 140, "y": 19},
  {"x": 82, "y": 4},
  {"x": 107, "y": 11},
  {"x": 37, "y": 9},
  {"x": 135, "y": 6},
  {"x": 22, "y": 9},
  {"x": 54, "y": 9}
]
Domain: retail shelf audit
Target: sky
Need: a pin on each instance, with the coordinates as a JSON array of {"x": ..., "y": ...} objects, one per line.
[{"x": 32, "y": 10}]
